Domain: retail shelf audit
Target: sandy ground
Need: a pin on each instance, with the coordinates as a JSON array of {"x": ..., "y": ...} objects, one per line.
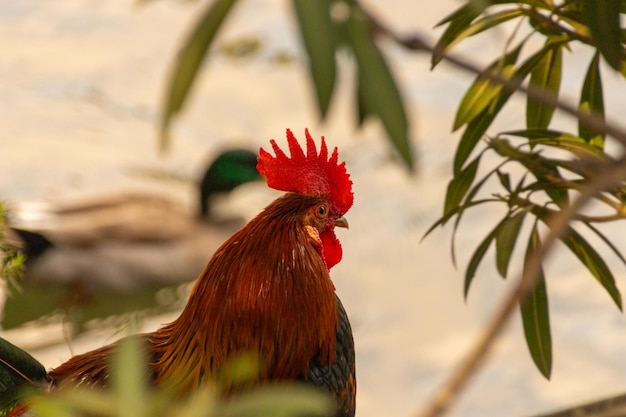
[{"x": 81, "y": 83}]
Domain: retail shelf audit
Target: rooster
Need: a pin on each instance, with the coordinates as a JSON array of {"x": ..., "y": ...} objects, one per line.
[{"x": 266, "y": 291}]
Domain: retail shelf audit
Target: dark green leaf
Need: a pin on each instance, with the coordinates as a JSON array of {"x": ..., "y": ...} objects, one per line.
[
  {"x": 377, "y": 86},
  {"x": 547, "y": 76},
  {"x": 460, "y": 29},
  {"x": 320, "y": 38},
  {"x": 593, "y": 262},
  {"x": 505, "y": 241},
  {"x": 459, "y": 21},
  {"x": 188, "y": 62},
  {"x": 536, "y": 317},
  {"x": 557, "y": 139},
  {"x": 603, "y": 20},
  {"x": 592, "y": 102},
  {"x": 477, "y": 257},
  {"x": 458, "y": 186}
]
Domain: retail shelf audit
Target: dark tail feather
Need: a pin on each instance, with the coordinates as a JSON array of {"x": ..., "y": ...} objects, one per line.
[
  {"x": 17, "y": 370},
  {"x": 33, "y": 244}
]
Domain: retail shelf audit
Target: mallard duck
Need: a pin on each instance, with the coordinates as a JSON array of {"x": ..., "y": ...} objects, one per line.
[{"x": 128, "y": 242}]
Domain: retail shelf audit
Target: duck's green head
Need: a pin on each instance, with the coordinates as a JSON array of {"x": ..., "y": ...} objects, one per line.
[{"x": 229, "y": 170}]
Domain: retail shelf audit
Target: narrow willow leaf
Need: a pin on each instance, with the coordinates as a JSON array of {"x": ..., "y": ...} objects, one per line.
[
  {"x": 547, "y": 76},
  {"x": 482, "y": 91},
  {"x": 603, "y": 20},
  {"x": 593, "y": 262},
  {"x": 592, "y": 101},
  {"x": 320, "y": 39},
  {"x": 458, "y": 22},
  {"x": 505, "y": 241},
  {"x": 536, "y": 316},
  {"x": 460, "y": 30},
  {"x": 188, "y": 62},
  {"x": 378, "y": 87},
  {"x": 458, "y": 186},
  {"x": 477, "y": 257},
  {"x": 557, "y": 139}
]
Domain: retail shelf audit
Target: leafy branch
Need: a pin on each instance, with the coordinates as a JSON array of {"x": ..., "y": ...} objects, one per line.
[{"x": 551, "y": 190}]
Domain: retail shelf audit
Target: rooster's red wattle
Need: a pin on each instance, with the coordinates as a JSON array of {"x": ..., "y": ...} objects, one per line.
[{"x": 265, "y": 291}]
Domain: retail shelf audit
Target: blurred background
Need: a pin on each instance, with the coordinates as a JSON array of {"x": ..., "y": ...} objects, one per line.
[{"x": 81, "y": 83}]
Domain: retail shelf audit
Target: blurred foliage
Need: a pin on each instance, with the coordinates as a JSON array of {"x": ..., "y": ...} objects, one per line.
[
  {"x": 554, "y": 163},
  {"x": 325, "y": 27},
  {"x": 131, "y": 396},
  {"x": 11, "y": 260}
]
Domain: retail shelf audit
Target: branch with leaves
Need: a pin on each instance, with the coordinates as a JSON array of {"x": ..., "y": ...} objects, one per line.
[{"x": 551, "y": 191}]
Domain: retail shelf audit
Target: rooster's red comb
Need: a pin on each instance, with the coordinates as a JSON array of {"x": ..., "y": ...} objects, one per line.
[{"x": 312, "y": 174}]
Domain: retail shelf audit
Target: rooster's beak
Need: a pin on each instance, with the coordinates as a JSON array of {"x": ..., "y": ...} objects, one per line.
[{"x": 342, "y": 222}]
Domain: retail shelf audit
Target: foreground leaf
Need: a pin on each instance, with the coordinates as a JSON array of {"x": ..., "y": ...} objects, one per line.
[{"x": 535, "y": 315}]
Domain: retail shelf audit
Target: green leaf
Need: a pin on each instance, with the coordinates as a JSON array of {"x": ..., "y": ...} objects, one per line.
[
  {"x": 547, "y": 76},
  {"x": 459, "y": 21},
  {"x": 477, "y": 127},
  {"x": 188, "y": 62},
  {"x": 477, "y": 257},
  {"x": 558, "y": 139},
  {"x": 536, "y": 317},
  {"x": 592, "y": 102},
  {"x": 458, "y": 186},
  {"x": 505, "y": 241},
  {"x": 377, "y": 86},
  {"x": 593, "y": 262},
  {"x": 320, "y": 38},
  {"x": 462, "y": 27},
  {"x": 603, "y": 19},
  {"x": 483, "y": 91}
]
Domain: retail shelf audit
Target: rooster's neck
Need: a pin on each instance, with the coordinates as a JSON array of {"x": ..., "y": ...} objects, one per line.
[{"x": 266, "y": 291}]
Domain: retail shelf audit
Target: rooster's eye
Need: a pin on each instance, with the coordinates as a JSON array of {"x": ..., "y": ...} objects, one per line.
[{"x": 321, "y": 210}]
